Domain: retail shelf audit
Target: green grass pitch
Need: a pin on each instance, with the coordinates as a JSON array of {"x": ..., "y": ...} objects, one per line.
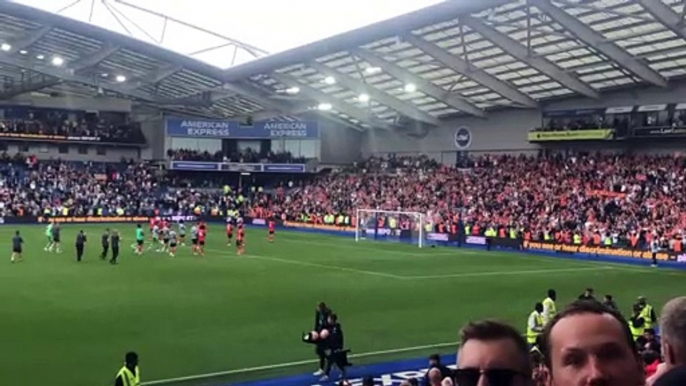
[{"x": 70, "y": 324}]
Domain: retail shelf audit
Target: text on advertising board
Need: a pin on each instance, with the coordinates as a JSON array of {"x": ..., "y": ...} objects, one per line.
[{"x": 204, "y": 128}]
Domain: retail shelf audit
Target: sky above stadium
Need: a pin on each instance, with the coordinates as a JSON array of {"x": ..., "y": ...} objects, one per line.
[{"x": 271, "y": 25}]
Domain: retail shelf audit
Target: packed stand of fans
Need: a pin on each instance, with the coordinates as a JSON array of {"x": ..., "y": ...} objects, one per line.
[
  {"x": 627, "y": 200},
  {"x": 58, "y": 123},
  {"x": 591, "y": 199},
  {"x": 247, "y": 156}
]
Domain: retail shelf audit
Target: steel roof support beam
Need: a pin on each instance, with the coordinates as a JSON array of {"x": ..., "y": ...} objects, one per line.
[
  {"x": 93, "y": 59},
  {"x": 154, "y": 78},
  {"x": 28, "y": 39},
  {"x": 275, "y": 108},
  {"x": 598, "y": 41},
  {"x": 405, "y": 108},
  {"x": 67, "y": 75},
  {"x": 337, "y": 104},
  {"x": 517, "y": 50},
  {"x": 422, "y": 84},
  {"x": 29, "y": 86},
  {"x": 472, "y": 72},
  {"x": 665, "y": 15}
]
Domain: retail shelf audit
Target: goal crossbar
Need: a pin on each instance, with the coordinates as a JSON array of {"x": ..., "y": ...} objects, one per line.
[{"x": 360, "y": 226}]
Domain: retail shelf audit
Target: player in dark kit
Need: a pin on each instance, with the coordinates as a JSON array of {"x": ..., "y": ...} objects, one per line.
[
  {"x": 56, "y": 238},
  {"x": 229, "y": 231},
  {"x": 80, "y": 244},
  {"x": 115, "y": 239},
  {"x": 105, "y": 244},
  {"x": 240, "y": 239},
  {"x": 17, "y": 242},
  {"x": 321, "y": 318},
  {"x": 272, "y": 229}
]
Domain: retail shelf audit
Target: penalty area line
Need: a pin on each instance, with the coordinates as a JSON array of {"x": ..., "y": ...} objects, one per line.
[{"x": 291, "y": 364}]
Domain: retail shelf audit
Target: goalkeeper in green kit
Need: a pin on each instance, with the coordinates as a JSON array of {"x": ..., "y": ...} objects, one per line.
[
  {"x": 48, "y": 234},
  {"x": 140, "y": 239}
]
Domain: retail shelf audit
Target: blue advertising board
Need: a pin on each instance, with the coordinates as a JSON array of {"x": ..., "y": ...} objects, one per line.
[
  {"x": 208, "y": 128},
  {"x": 237, "y": 167}
]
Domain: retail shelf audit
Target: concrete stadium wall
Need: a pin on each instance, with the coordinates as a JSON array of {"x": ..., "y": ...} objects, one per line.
[
  {"x": 72, "y": 103},
  {"x": 339, "y": 144},
  {"x": 506, "y": 130},
  {"x": 46, "y": 151},
  {"x": 501, "y": 131}
]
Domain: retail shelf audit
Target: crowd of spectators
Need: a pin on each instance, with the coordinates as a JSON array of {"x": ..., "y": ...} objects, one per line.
[
  {"x": 246, "y": 156},
  {"x": 56, "y": 123},
  {"x": 620, "y": 198},
  {"x": 611, "y": 196}
]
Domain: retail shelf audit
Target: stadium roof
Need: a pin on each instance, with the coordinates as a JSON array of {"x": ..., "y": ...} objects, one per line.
[{"x": 462, "y": 57}]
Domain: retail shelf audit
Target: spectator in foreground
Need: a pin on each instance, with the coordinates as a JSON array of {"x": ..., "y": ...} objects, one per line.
[
  {"x": 589, "y": 344},
  {"x": 435, "y": 363},
  {"x": 494, "y": 351},
  {"x": 673, "y": 330},
  {"x": 587, "y": 295}
]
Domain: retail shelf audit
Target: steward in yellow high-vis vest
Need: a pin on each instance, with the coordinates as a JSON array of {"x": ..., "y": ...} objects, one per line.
[
  {"x": 549, "y": 307},
  {"x": 636, "y": 322},
  {"x": 534, "y": 325},
  {"x": 129, "y": 375},
  {"x": 647, "y": 312}
]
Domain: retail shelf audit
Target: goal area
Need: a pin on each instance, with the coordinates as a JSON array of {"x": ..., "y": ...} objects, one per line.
[{"x": 385, "y": 225}]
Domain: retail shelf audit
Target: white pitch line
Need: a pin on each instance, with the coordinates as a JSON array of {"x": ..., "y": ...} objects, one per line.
[
  {"x": 422, "y": 277},
  {"x": 333, "y": 267},
  {"x": 499, "y": 273},
  {"x": 291, "y": 364}
]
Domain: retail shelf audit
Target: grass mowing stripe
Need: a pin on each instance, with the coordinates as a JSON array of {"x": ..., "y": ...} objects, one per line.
[
  {"x": 291, "y": 364},
  {"x": 421, "y": 277},
  {"x": 499, "y": 273}
]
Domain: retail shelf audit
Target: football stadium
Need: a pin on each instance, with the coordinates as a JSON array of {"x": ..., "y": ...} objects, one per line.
[{"x": 461, "y": 193}]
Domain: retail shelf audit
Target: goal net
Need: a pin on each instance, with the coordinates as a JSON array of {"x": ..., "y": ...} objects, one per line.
[{"x": 399, "y": 226}]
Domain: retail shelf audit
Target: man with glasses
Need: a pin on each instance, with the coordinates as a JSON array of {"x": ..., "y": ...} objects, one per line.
[
  {"x": 494, "y": 354},
  {"x": 589, "y": 344}
]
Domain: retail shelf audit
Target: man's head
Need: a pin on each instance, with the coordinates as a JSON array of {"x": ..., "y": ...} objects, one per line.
[
  {"x": 333, "y": 318},
  {"x": 649, "y": 334},
  {"x": 492, "y": 349},
  {"x": 552, "y": 294},
  {"x": 131, "y": 359},
  {"x": 589, "y": 292},
  {"x": 538, "y": 307},
  {"x": 608, "y": 298},
  {"x": 321, "y": 306},
  {"x": 673, "y": 330},
  {"x": 434, "y": 360},
  {"x": 16, "y": 233},
  {"x": 641, "y": 301},
  {"x": 588, "y": 344},
  {"x": 435, "y": 377}
]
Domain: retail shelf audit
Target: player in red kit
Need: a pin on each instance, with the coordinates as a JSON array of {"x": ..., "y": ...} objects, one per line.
[
  {"x": 240, "y": 239},
  {"x": 229, "y": 232},
  {"x": 201, "y": 239},
  {"x": 272, "y": 229},
  {"x": 153, "y": 220}
]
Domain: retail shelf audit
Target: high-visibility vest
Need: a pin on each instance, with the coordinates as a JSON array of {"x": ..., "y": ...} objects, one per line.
[
  {"x": 608, "y": 241},
  {"x": 636, "y": 332},
  {"x": 531, "y": 334},
  {"x": 129, "y": 378},
  {"x": 513, "y": 234},
  {"x": 549, "y": 304},
  {"x": 646, "y": 314},
  {"x": 577, "y": 239}
]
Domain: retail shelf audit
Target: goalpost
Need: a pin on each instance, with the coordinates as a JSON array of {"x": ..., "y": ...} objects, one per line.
[{"x": 390, "y": 226}]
